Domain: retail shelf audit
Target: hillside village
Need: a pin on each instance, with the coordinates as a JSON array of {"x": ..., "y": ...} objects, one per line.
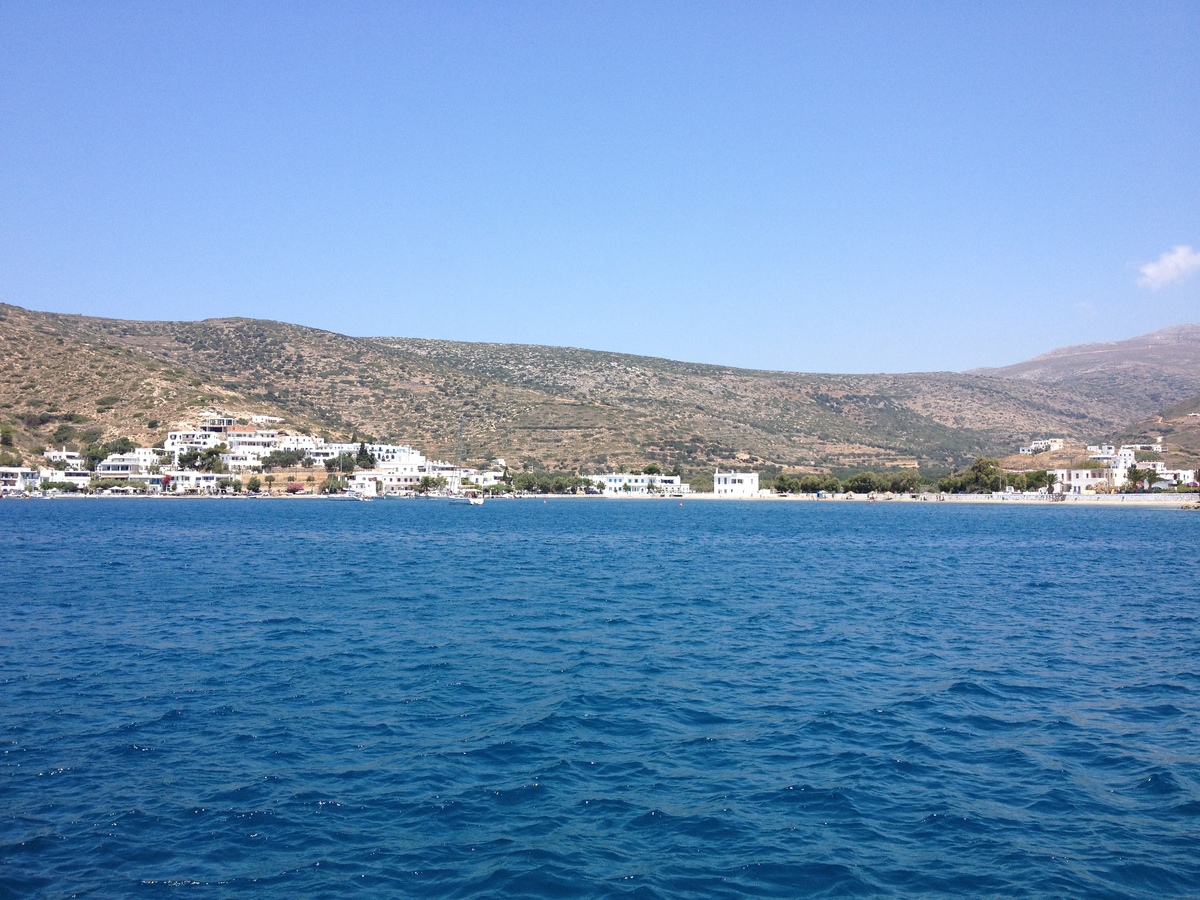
[
  {"x": 222, "y": 454},
  {"x": 1104, "y": 469},
  {"x": 101, "y": 394},
  {"x": 81, "y": 380}
]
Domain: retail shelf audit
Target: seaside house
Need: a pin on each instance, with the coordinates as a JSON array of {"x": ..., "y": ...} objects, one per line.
[
  {"x": 139, "y": 461},
  {"x": 187, "y": 481},
  {"x": 79, "y": 477},
  {"x": 735, "y": 484},
  {"x": 1077, "y": 481},
  {"x": 18, "y": 479},
  {"x": 626, "y": 483}
]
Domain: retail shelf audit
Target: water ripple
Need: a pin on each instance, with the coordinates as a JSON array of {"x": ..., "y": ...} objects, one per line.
[{"x": 597, "y": 699}]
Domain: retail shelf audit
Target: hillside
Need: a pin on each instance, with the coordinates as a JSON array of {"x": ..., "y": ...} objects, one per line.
[
  {"x": 60, "y": 385},
  {"x": 540, "y": 407},
  {"x": 1178, "y": 426},
  {"x": 1138, "y": 375}
]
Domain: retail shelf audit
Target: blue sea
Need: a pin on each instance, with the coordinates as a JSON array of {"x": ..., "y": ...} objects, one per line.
[{"x": 590, "y": 698}]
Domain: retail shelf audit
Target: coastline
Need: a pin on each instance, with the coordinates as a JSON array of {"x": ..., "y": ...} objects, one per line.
[{"x": 1158, "y": 501}]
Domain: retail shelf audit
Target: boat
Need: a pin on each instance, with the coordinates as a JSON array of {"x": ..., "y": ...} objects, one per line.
[
  {"x": 351, "y": 494},
  {"x": 473, "y": 498}
]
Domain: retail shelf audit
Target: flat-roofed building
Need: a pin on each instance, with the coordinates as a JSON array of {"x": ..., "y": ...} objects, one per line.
[{"x": 735, "y": 484}]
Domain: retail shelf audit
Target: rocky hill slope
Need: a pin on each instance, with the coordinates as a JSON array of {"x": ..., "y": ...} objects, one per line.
[
  {"x": 540, "y": 407},
  {"x": 1142, "y": 375}
]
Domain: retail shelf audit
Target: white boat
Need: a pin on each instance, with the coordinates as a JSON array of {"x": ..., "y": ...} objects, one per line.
[
  {"x": 351, "y": 494},
  {"x": 473, "y": 498}
]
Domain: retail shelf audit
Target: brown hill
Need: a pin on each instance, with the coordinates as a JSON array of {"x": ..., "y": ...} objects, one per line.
[
  {"x": 1178, "y": 426},
  {"x": 541, "y": 407},
  {"x": 1138, "y": 375}
]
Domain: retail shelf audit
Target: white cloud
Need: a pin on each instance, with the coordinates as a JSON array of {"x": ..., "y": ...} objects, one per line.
[{"x": 1175, "y": 265}]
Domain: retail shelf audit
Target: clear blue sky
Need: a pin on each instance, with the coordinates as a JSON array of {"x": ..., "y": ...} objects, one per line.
[{"x": 821, "y": 187}]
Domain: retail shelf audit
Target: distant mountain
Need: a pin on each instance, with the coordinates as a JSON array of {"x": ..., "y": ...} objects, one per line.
[
  {"x": 1141, "y": 375},
  {"x": 77, "y": 377}
]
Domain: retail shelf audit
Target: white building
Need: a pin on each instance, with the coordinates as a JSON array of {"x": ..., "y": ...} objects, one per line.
[
  {"x": 81, "y": 478},
  {"x": 390, "y": 455},
  {"x": 18, "y": 479},
  {"x": 735, "y": 484},
  {"x": 139, "y": 461},
  {"x": 1049, "y": 444},
  {"x": 625, "y": 483},
  {"x": 185, "y": 481},
  {"x": 483, "y": 478},
  {"x": 373, "y": 483},
  {"x": 217, "y": 423},
  {"x": 70, "y": 457},
  {"x": 265, "y": 420},
  {"x": 185, "y": 441},
  {"x": 1077, "y": 481},
  {"x": 248, "y": 441},
  {"x": 299, "y": 442}
]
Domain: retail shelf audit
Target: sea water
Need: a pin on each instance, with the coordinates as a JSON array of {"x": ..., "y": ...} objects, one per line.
[{"x": 590, "y": 698}]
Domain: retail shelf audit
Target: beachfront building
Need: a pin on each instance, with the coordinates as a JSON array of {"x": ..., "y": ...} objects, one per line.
[
  {"x": 1077, "y": 481},
  {"x": 18, "y": 479},
  {"x": 735, "y": 484},
  {"x": 626, "y": 483},
  {"x": 484, "y": 478},
  {"x": 187, "y": 481},
  {"x": 138, "y": 461},
  {"x": 372, "y": 484},
  {"x": 376, "y": 481},
  {"x": 1169, "y": 477},
  {"x": 79, "y": 477}
]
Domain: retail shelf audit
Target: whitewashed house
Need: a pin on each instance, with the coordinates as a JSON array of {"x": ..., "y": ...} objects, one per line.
[
  {"x": 735, "y": 484},
  {"x": 1042, "y": 446},
  {"x": 1077, "y": 481},
  {"x": 70, "y": 457},
  {"x": 186, "y": 481},
  {"x": 139, "y": 461},
  {"x": 248, "y": 441},
  {"x": 186, "y": 441},
  {"x": 18, "y": 479},
  {"x": 625, "y": 483},
  {"x": 81, "y": 478}
]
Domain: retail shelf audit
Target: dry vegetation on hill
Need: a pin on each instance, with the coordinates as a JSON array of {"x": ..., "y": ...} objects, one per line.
[
  {"x": 540, "y": 407},
  {"x": 1178, "y": 426}
]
